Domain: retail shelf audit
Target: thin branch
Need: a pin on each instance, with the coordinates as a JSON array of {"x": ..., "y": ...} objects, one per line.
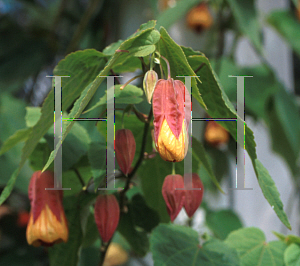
[
  {"x": 137, "y": 165},
  {"x": 79, "y": 177}
]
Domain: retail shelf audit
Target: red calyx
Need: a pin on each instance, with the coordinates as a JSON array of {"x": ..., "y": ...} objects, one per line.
[
  {"x": 125, "y": 149},
  {"x": 173, "y": 197},
  {"x": 193, "y": 198},
  {"x": 107, "y": 214}
]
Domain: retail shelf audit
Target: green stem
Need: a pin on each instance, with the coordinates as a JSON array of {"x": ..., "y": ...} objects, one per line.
[
  {"x": 168, "y": 66},
  {"x": 173, "y": 169},
  {"x": 141, "y": 158},
  {"x": 134, "y": 78}
]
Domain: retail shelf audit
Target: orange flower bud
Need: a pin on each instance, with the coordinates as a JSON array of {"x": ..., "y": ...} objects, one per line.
[
  {"x": 298, "y": 10},
  {"x": 47, "y": 222},
  {"x": 193, "y": 198},
  {"x": 199, "y": 18},
  {"x": 173, "y": 197},
  {"x": 125, "y": 149},
  {"x": 170, "y": 120},
  {"x": 107, "y": 214},
  {"x": 215, "y": 134},
  {"x": 149, "y": 83},
  {"x": 115, "y": 255}
]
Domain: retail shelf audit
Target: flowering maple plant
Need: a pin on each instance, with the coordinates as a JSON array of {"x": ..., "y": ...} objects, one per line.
[{"x": 141, "y": 210}]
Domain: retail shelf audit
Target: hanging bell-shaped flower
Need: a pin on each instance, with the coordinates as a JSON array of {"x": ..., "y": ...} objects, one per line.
[
  {"x": 170, "y": 119},
  {"x": 199, "y": 18},
  {"x": 107, "y": 214},
  {"x": 215, "y": 134},
  {"x": 173, "y": 196},
  {"x": 47, "y": 221},
  {"x": 193, "y": 198}
]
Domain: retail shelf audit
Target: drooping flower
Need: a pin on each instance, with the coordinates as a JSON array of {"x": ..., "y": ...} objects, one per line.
[
  {"x": 199, "y": 18},
  {"x": 125, "y": 149},
  {"x": 171, "y": 120},
  {"x": 193, "y": 197},
  {"x": 215, "y": 134},
  {"x": 47, "y": 222},
  {"x": 173, "y": 196},
  {"x": 107, "y": 214}
]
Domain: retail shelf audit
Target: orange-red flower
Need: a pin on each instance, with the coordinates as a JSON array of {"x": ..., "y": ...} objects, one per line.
[
  {"x": 47, "y": 222},
  {"x": 199, "y": 18},
  {"x": 215, "y": 134},
  {"x": 170, "y": 119}
]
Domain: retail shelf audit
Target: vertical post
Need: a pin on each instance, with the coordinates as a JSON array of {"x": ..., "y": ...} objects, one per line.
[
  {"x": 110, "y": 149},
  {"x": 58, "y": 134},
  {"x": 188, "y": 185},
  {"x": 240, "y": 171}
]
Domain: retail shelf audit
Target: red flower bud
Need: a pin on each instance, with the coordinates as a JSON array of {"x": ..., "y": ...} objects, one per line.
[
  {"x": 47, "y": 222},
  {"x": 170, "y": 120},
  {"x": 173, "y": 197},
  {"x": 107, "y": 214},
  {"x": 215, "y": 134},
  {"x": 125, "y": 149},
  {"x": 193, "y": 198}
]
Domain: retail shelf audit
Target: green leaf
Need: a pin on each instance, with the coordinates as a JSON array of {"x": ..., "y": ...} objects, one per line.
[
  {"x": 145, "y": 44},
  {"x": 143, "y": 216},
  {"x": 253, "y": 249},
  {"x": 152, "y": 174},
  {"x": 75, "y": 146},
  {"x": 284, "y": 123},
  {"x": 129, "y": 95},
  {"x": 223, "y": 222},
  {"x": 68, "y": 253},
  {"x": 289, "y": 239},
  {"x": 178, "y": 62},
  {"x": 19, "y": 136},
  {"x": 111, "y": 49},
  {"x": 247, "y": 20},
  {"x": 90, "y": 90},
  {"x": 174, "y": 245},
  {"x": 292, "y": 255},
  {"x": 137, "y": 238},
  {"x": 270, "y": 192},
  {"x": 256, "y": 95},
  {"x": 39, "y": 156},
  {"x": 33, "y": 115},
  {"x": 83, "y": 66},
  {"x": 287, "y": 26},
  {"x": 200, "y": 154},
  {"x": 97, "y": 159},
  {"x": 219, "y": 106},
  {"x": 173, "y": 14}
]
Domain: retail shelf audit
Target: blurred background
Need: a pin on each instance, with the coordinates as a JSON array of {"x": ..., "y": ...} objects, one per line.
[{"x": 257, "y": 38}]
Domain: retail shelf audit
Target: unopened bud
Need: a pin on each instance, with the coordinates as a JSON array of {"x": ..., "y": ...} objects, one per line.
[
  {"x": 193, "y": 197},
  {"x": 125, "y": 149},
  {"x": 173, "y": 196},
  {"x": 215, "y": 134},
  {"x": 149, "y": 83},
  {"x": 107, "y": 214}
]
